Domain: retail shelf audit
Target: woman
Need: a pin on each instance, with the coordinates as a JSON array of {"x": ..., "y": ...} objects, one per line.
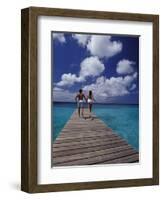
[{"x": 90, "y": 100}]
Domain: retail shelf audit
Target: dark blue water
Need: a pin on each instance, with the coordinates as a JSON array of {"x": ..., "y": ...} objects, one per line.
[{"x": 123, "y": 119}]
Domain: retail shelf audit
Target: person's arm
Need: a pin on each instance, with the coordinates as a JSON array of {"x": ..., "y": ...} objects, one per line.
[
  {"x": 84, "y": 97},
  {"x": 76, "y": 97}
]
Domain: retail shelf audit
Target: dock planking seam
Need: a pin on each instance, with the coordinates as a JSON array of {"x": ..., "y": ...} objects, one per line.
[
  {"x": 87, "y": 142},
  {"x": 129, "y": 158},
  {"x": 85, "y": 138},
  {"x": 93, "y": 154},
  {"x": 96, "y": 159},
  {"x": 83, "y": 150}
]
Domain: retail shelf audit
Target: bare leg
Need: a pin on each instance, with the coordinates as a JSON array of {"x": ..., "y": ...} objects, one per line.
[
  {"x": 79, "y": 111},
  {"x": 90, "y": 107},
  {"x": 91, "y": 110},
  {"x": 82, "y": 111}
]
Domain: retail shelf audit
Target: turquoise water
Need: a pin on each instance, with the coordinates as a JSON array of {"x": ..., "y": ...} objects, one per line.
[
  {"x": 60, "y": 115},
  {"x": 123, "y": 119}
]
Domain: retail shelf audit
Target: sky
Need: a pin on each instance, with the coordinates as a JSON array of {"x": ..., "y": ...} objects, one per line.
[{"x": 106, "y": 64}]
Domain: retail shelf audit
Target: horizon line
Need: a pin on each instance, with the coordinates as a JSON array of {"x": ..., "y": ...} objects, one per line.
[{"x": 96, "y": 102}]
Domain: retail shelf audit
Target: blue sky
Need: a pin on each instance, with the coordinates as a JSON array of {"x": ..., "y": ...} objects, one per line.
[{"x": 106, "y": 64}]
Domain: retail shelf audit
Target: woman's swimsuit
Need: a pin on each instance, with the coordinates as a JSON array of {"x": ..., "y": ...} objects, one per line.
[{"x": 90, "y": 100}]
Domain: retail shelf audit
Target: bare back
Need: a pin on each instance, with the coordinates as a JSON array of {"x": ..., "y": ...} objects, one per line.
[{"x": 80, "y": 96}]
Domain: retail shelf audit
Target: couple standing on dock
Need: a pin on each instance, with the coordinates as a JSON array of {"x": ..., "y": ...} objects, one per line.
[{"x": 80, "y": 97}]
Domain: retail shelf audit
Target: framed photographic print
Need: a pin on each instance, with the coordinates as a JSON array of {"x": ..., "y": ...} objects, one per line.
[{"x": 90, "y": 100}]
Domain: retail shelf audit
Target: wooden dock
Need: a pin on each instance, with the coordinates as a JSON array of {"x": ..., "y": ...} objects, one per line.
[{"x": 90, "y": 142}]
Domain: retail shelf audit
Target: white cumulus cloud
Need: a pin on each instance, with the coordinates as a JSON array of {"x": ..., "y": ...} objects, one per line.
[
  {"x": 82, "y": 39},
  {"x": 69, "y": 79},
  {"x": 105, "y": 88},
  {"x": 56, "y": 89},
  {"x": 133, "y": 87},
  {"x": 125, "y": 66},
  {"x": 60, "y": 37},
  {"x": 62, "y": 95},
  {"x": 103, "y": 46},
  {"x": 135, "y": 75},
  {"x": 91, "y": 66}
]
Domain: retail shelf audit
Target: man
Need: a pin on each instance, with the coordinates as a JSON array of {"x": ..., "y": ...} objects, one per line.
[{"x": 80, "y": 102}]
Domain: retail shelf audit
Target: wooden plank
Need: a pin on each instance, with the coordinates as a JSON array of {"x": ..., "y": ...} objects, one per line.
[
  {"x": 95, "y": 160},
  {"x": 84, "y": 134},
  {"x": 72, "y": 151},
  {"x": 85, "y": 141},
  {"x": 85, "y": 137},
  {"x": 86, "y": 145},
  {"x": 91, "y": 154},
  {"x": 126, "y": 159}
]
